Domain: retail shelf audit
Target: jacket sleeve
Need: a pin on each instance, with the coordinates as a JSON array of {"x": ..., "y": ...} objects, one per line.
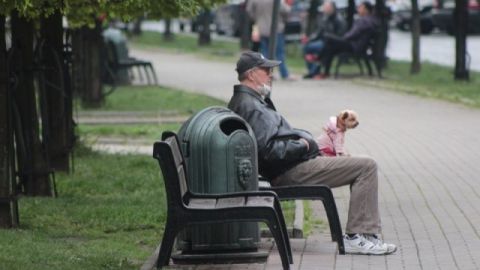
[
  {"x": 341, "y": 27},
  {"x": 359, "y": 26},
  {"x": 274, "y": 148},
  {"x": 284, "y": 11}
]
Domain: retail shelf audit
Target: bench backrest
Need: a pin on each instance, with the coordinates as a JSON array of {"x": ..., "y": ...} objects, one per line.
[{"x": 172, "y": 165}]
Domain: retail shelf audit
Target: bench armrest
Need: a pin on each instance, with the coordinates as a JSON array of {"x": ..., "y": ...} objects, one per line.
[{"x": 234, "y": 194}]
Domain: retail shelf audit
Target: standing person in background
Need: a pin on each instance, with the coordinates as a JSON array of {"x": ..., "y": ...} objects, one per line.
[
  {"x": 261, "y": 11},
  {"x": 329, "y": 23}
]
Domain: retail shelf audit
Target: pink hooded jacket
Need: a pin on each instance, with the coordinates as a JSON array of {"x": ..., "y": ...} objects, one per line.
[{"x": 332, "y": 140}]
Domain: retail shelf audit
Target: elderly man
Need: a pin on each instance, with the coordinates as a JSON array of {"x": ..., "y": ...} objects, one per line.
[{"x": 289, "y": 156}]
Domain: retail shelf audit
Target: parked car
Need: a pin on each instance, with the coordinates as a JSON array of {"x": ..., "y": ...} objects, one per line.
[
  {"x": 402, "y": 19},
  {"x": 228, "y": 18},
  {"x": 443, "y": 17},
  {"x": 296, "y": 20}
]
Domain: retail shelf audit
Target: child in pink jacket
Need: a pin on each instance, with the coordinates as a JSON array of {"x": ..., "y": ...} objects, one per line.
[{"x": 331, "y": 142}]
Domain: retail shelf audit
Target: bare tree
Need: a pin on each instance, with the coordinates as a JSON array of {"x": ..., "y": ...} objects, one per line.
[
  {"x": 415, "y": 29},
  {"x": 461, "y": 27},
  {"x": 33, "y": 165},
  {"x": 8, "y": 202}
]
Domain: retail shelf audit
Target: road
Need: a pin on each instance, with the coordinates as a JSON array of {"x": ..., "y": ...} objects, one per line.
[{"x": 436, "y": 48}]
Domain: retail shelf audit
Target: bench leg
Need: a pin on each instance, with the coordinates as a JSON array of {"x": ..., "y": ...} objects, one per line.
[
  {"x": 281, "y": 220},
  {"x": 359, "y": 64},
  {"x": 154, "y": 75},
  {"x": 169, "y": 234},
  {"x": 333, "y": 219},
  {"x": 281, "y": 244},
  {"x": 369, "y": 67}
]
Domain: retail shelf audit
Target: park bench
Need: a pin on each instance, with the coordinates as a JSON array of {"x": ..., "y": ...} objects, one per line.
[
  {"x": 372, "y": 53},
  {"x": 116, "y": 63},
  {"x": 311, "y": 192},
  {"x": 186, "y": 208}
]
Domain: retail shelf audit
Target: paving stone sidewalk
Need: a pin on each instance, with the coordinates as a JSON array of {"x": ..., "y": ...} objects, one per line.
[{"x": 428, "y": 153}]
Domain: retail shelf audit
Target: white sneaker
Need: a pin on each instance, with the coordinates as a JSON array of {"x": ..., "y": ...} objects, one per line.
[
  {"x": 358, "y": 244},
  {"x": 375, "y": 238}
]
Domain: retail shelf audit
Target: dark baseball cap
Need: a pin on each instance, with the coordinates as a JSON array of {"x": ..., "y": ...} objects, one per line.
[{"x": 251, "y": 59}]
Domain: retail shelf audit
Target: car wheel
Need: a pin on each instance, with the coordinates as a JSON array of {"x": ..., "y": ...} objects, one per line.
[
  {"x": 450, "y": 30},
  {"x": 404, "y": 26},
  {"x": 426, "y": 28}
]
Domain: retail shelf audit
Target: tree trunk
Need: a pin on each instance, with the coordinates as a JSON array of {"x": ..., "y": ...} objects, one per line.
[
  {"x": 33, "y": 167},
  {"x": 415, "y": 65},
  {"x": 55, "y": 125},
  {"x": 350, "y": 12},
  {"x": 137, "y": 26},
  {"x": 272, "y": 40},
  {"x": 8, "y": 203},
  {"x": 246, "y": 28},
  {"x": 87, "y": 44},
  {"x": 168, "y": 35},
  {"x": 204, "y": 28},
  {"x": 312, "y": 17},
  {"x": 461, "y": 26},
  {"x": 383, "y": 14}
]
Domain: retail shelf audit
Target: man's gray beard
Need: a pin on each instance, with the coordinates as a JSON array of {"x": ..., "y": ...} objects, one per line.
[{"x": 264, "y": 89}]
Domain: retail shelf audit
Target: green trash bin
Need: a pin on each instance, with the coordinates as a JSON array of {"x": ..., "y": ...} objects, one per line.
[{"x": 221, "y": 157}]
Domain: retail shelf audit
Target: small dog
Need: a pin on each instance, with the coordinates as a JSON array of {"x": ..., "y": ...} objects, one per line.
[{"x": 331, "y": 142}]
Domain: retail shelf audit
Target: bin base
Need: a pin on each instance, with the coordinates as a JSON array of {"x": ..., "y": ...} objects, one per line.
[{"x": 220, "y": 258}]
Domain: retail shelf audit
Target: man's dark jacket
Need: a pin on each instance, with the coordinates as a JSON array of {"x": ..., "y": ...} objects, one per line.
[
  {"x": 331, "y": 24},
  {"x": 279, "y": 148}
]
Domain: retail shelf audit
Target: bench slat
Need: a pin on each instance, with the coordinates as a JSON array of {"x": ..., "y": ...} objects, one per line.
[{"x": 231, "y": 202}]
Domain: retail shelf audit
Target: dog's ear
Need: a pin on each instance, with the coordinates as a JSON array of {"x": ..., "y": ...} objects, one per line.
[{"x": 344, "y": 115}]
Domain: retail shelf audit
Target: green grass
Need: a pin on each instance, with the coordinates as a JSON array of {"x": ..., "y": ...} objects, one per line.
[
  {"x": 161, "y": 100},
  {"x": 434, "y": 81},
  {"x": 150, "y": 101},
  {"x": 141, "y": 131},
  {"x": 311, "y": 223},
  {"x": 109, "y": 215},
  {"x": 218, "y": 50}
]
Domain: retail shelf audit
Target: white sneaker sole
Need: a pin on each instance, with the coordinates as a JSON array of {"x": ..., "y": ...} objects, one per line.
[{"x": 366, "y": 252}]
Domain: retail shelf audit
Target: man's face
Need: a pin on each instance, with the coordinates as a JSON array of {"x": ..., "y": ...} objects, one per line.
[
  {"x": 262, "y": 76},
  {"x": 362, "y": 10},
  {"x": 328, "y": 8}
]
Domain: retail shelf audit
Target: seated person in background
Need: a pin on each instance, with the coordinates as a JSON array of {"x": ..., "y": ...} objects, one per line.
[
  {"x": 354, "y": 41},
  {"x": 330, "y": 22}
]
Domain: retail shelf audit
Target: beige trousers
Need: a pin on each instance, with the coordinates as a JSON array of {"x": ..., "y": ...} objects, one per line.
[{"x": 358, "y": 172}]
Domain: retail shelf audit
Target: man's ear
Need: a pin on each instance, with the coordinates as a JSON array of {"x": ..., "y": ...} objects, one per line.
[{"x": 345, "y": 115}]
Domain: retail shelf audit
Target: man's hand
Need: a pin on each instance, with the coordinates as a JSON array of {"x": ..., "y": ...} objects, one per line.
[{"x": 305, "y": 142}]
